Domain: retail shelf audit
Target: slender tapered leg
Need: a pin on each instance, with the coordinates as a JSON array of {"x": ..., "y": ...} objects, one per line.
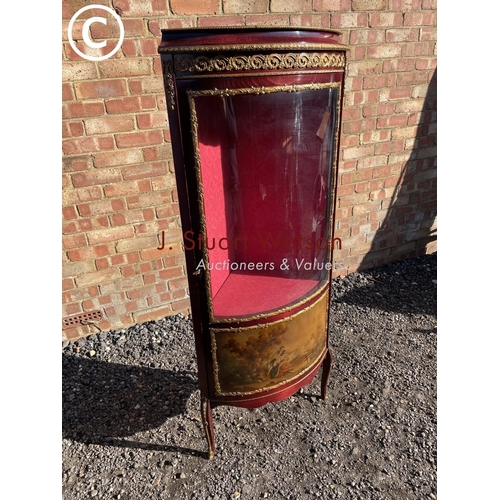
[
  {"x": 327, "y": 364},
  {"x": 206, "y": 418}
]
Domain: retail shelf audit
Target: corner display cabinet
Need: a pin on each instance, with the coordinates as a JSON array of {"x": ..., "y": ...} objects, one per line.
[{"x": 254, "y": 119}]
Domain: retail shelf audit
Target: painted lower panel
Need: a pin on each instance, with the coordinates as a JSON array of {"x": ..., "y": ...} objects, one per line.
[{"x": 261, "y": 357}]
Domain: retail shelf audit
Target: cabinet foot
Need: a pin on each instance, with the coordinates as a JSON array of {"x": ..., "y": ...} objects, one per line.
[
  {"x": 208, "y": 426},
  {"x": 327, "y": 364}
]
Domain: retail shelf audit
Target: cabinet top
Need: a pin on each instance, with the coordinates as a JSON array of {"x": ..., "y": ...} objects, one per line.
[{"x": 248, "y": 38}]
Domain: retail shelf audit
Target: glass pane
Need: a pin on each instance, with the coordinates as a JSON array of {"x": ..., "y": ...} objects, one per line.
[{"x": 265, "y": 165}]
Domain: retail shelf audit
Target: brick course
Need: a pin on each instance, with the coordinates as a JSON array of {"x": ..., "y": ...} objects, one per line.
[{"x": 118, "y": 183}]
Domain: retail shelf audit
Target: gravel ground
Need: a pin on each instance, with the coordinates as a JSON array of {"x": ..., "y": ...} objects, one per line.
[{"x": 132, "y": 428}]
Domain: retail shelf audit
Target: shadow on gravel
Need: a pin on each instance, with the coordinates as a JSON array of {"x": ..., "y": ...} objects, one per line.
[{"x": 104, "y": 402}]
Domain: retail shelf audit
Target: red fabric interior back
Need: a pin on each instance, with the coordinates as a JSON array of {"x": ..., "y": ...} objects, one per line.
[{"x": 265, "y": 174}]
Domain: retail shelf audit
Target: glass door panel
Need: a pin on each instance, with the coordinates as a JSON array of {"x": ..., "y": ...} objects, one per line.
[{"x": 264, "y": 160}]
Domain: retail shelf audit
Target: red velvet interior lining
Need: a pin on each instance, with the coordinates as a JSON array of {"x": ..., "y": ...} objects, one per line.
[
  {"x": 217, "y": 200},
  {"x": 265, "y": 174}
]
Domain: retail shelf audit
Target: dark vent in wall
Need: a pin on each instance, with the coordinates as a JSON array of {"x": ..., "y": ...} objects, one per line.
[{"x": 82, "y": 319}]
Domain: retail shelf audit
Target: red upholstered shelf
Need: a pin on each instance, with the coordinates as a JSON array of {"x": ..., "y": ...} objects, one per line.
[{"x": 245, "y": 294}]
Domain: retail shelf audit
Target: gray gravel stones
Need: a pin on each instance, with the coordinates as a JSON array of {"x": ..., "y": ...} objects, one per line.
[{"x": 132, "y": 428}]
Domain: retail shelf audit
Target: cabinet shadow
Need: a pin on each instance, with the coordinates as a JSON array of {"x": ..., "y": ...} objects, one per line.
[
  {"x": 408, "y": 228},
  {"x": 103, "y": 403},
  {"x": 407, "y": 221}
]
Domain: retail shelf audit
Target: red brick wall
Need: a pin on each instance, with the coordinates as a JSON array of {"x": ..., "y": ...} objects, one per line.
[{"x": 118, "y": 183}]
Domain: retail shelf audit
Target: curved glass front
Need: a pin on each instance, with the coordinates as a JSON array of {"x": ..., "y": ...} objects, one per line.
[{"x": 264, "y": 162}]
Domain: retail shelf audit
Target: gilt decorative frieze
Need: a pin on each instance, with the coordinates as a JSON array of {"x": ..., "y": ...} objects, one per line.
[{"x": 302, "y": 60}]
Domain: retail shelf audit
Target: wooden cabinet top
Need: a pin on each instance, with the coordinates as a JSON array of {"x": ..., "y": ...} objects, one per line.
[{"x": 248, "y": 39}]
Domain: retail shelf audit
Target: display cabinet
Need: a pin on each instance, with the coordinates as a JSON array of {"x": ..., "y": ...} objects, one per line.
[{"x": 254, "y": 117}]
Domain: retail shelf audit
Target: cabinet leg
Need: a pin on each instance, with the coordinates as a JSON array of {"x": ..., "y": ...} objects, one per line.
[
  {"x": 208, "y": 426},
  {"x": 327, "y": 364}
]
